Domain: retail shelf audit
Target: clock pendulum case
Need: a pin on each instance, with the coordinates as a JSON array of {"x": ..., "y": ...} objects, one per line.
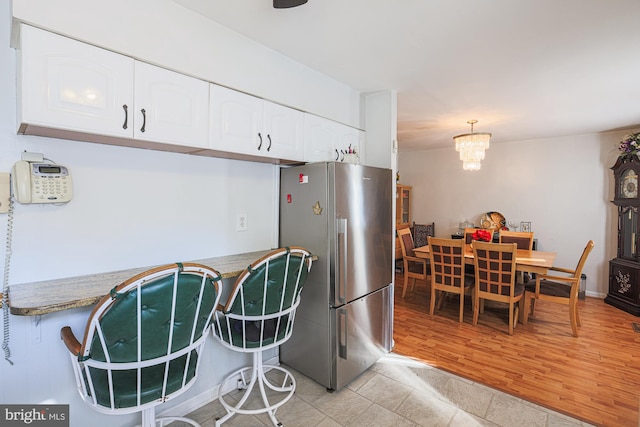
[{"x": 624, "y": 269}]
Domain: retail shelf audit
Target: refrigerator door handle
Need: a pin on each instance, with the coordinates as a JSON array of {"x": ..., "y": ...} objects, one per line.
[
  {"x": 342, "y": 259},
  {"x": 342, "y": 333}
]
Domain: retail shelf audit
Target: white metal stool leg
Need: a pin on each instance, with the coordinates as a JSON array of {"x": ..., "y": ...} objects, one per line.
[
  {"x": 149, "y": 419},
  {"x": 257, "y": 376}
]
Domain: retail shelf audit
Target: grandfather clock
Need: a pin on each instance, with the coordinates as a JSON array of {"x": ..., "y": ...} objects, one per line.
[{"x": 624, "y": 269}]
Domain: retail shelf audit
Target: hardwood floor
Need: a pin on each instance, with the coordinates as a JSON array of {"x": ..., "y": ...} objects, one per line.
[{"x": 595, "y": 377}]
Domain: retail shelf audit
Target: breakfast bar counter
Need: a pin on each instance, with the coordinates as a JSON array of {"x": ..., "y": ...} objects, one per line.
[{"x": 31, "y": 299}]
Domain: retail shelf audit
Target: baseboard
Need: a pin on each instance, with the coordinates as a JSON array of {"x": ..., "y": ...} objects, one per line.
[
  {"x": 206, "y": 397},
  {"x": 190, "y": 405},
  {"x": 595, "y": 294}
]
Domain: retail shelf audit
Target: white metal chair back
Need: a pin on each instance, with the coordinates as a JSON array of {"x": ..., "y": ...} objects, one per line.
[
  {"x": 143, "y": 342},
  {"x": 259, "y": 315},
  {"x": 261, "y": 308}
]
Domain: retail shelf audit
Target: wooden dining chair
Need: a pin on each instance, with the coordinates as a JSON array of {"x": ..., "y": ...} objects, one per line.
[
  {"x": 523, "y": 239},
  {"x": 422, "y": 232},
  {"x": 447, "y": 271},
  {"x": 495, "y": 273},
  {"x": 468, "y": 238},
  {"x": 468, "y": 234},
  {"x": 414, "y": 267},
  {"x": 559, "y": 289}
]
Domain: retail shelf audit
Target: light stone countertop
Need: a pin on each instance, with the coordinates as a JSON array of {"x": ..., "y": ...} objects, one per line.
[{"x": 30, "y": 299}]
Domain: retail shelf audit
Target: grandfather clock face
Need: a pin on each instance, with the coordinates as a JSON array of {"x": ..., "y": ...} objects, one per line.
[{"x": 629, "y": 184}]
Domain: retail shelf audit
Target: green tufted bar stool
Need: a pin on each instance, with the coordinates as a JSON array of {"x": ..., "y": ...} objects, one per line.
[
  {"x": 143, "y": 342},
  {"x": 258, "y": 316}
]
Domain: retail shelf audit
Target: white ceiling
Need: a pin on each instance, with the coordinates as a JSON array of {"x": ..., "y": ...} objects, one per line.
[{"x": 525, "y": 69}]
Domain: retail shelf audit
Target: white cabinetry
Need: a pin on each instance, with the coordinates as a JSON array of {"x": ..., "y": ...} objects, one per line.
[
  {"x": 170, "y": 107},
  {"x": 320, "y": 136},
  {"x": 350, "y": 140},
  {"x": 326, "y": 140},
  {"x": 283, "y": 127},
  {"x": 65, "y": 84},
  {"x": 245, "y": 124},
  {"x": 73, "y": 90},
  {"x": 71, "y": 86}
]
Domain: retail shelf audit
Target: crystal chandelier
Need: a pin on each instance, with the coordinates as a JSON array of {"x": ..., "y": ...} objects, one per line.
[{"x": 471, "y": 147}]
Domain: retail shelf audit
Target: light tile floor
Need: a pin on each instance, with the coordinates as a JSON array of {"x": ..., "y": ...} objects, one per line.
[{"x": 397, "y": 391}]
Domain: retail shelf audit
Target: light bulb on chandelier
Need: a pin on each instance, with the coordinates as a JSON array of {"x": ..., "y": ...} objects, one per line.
[{"x": 471, "y": 147}]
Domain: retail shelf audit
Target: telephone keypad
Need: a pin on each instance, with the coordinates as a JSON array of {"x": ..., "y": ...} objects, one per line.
[{"x": 51, "y": 187}]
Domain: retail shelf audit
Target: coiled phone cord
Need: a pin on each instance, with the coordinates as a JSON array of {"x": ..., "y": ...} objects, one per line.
[{"x": 5, "y": 285}]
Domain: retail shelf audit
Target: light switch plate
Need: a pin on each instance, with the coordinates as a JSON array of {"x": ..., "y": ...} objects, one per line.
[{"x": 5, "y": 192}]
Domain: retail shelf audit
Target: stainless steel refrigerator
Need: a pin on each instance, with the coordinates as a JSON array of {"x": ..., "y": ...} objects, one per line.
[{"x": 343, "y": 214}]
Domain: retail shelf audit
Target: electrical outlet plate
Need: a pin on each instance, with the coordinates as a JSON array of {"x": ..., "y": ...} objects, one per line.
[
  {"x": 241, "y": 222},
  {"x": 5, "y": 192}
]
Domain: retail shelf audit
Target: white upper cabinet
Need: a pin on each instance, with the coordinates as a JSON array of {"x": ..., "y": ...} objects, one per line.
[
  {"x": 170, "y": 107},
  {"x": 235, "y": 121},
  {"x": 70, "y": 89},
  {"x": 284, "y": 129},
  {"x": 65, "y": 84},
  {"x": 326, "y": 140},
  {"x": 350, "y": 140},
  {"x": 245, "y": 124},
  {"x": 72, "y": 86},
  {"x": 320, "y": 136}
]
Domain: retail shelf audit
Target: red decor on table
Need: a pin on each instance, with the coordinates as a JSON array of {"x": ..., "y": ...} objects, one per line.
[{"x": 482, "y": 235}]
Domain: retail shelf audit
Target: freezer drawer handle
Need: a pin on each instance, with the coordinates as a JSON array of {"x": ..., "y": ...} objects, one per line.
[
  {"x": 342, "y": 330},
  {"x": 342, "y": 259}
]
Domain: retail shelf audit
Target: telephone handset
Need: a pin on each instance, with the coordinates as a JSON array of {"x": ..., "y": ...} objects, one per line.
[{"x": 35, "y": 182}]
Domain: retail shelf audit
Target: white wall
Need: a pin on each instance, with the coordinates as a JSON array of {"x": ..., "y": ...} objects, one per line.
[
  {"x": 563, "y": 186},
  {"x": 136, "y": 207}
]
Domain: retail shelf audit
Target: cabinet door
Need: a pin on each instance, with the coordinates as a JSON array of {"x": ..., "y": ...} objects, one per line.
[
  {"x": 170, "y": 107},
  {"x": 283, "y": 130},
  {"x": 403, "y": 206},
  {"x": 66, "y": 84},
  {"x": 320, "y": 136},
  {"x": 235, "y": 121},
  {"x": 624, "y": 285},
  {"x": 349, "y": 140}
]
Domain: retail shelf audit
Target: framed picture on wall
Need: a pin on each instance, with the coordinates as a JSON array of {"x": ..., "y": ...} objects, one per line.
[{"x": 525, "y": 226}]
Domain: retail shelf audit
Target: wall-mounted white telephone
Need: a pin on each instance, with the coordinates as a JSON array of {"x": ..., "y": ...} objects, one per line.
[{"x": 37, "y": 182}]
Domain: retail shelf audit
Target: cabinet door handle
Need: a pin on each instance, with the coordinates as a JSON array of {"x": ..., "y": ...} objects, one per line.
[
  {"x": 337, "y": 155},
  {"x": 126, "y": 116},
  {"x": 144, "y": 119},
  {"x": 259, "y": 145},
  {"x": 269, "y": 147}
]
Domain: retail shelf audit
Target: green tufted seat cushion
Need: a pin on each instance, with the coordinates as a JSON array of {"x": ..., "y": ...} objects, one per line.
[
  {"x": 253, "y": 294},
  {"x": 119, "y": 325}
]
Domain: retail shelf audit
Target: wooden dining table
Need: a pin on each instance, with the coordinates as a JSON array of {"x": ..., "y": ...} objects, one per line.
[{"x": 529, "y": 261}]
